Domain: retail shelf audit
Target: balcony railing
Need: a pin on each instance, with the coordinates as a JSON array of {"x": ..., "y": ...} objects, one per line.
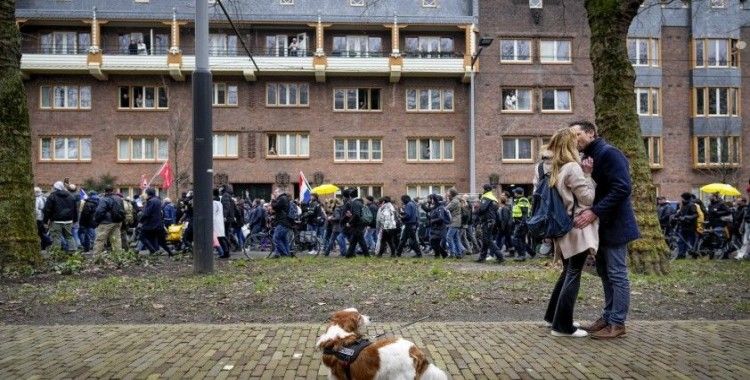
[
  {"x": 54, "y": 49},
  {"x": 134, "y": 50},
  {"x": 256, "y": 52}
]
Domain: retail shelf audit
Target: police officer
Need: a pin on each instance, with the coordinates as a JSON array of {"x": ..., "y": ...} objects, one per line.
[{"x": 521, "y": 210}]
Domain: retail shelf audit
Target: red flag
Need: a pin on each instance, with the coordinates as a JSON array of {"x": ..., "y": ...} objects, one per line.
[
  {"x": 144, "y": 182},
  {"x": 166, "y": 175}
]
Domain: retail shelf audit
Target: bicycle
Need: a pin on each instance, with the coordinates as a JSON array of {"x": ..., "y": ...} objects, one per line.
[{"x": 259, "y": 241}]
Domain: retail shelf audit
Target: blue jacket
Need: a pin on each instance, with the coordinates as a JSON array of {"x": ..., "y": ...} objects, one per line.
[
  {"x": 411, "y": 216},
  {"x": 612, "y": 203},
  {"x": 170, "y": 212},
  {"x": 151, "y": 218}
]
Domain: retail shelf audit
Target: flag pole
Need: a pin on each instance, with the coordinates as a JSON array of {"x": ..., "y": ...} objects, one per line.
[{"x": 157, "y": 173}]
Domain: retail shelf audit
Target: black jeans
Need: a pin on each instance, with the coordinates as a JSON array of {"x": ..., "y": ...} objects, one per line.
[
  {"x": 488, "y": 242},
  {"x": 409, "y": 236},
  {"x": 388, "y": 239},
  {"x": 357, "y": 237},
  {"x": 563, "y": 299}
]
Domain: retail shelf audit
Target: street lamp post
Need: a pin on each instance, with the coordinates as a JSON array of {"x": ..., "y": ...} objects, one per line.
[
  {"x": 483, "y": 43},
  {"x": 203, "y": 259}
]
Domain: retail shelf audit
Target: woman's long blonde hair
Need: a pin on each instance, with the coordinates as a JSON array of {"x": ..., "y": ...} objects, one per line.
[{"x": 564, "y": 150}]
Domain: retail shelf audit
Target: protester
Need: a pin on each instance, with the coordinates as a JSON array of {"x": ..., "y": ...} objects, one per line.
[
  {"x": 41, "y": 228},
  {"x": 409, "y": 218},
  {"x": 487, "y": 215},
  {"x": 109, "y": 216},
  {"x": 283, "y": 223},
  {"x": 617, "y": 226},
  {"x": 439, "y": 220},
  {"x": 386, "y": 224},
  {"x": 576, "y": 188},
  {"x": 355, "y": 224},
  {"x": 86, "y": 221},
  {"x": 453, "y": 238},
  {"x": 153, "y": 234},
  {"x": 61, "y": 211}
]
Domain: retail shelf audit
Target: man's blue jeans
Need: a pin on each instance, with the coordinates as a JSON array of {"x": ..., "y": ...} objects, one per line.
[
  {"x": 340, "y": 239},
  {"x": 453, "y": 240},
  {"x": 686, "y": 242},
  {"x": 611, "y": 264},
  {"x": 371, "y": 237},
  {"x": 280, "y": 241}
]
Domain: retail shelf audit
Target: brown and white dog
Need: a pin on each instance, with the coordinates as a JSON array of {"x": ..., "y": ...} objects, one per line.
[{"x": 387, "y": 358}]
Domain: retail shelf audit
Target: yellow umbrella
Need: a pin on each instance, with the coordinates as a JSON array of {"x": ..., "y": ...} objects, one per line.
[
  {"x": 325, "y": 189},
  {"x": 721, "y": 188}
]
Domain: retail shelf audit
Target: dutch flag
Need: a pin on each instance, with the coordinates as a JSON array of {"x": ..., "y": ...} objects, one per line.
[{"x": 304, "y": 189}]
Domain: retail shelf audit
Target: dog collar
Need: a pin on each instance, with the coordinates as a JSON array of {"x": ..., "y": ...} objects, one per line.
[{"x": 348, "y": 354}]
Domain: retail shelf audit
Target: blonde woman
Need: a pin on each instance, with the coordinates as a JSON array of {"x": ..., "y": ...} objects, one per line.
[{"x": 576, "y": 188}]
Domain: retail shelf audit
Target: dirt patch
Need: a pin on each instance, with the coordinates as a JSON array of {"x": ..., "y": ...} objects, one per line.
[{"x": 307, "y": 289}]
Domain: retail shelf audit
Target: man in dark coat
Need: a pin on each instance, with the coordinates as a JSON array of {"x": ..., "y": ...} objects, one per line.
[
  {"x": 283, "y": 224},
  {"x": 61, "y": 209},
  {"x": 687, "y": 219},
  {"x": 355, "y": 225},
  {"x": 153, "y": 234},
  {"x": 617, "y": 226},
  {"x": 410, "y": 219},
  {"x": 487, "y": 217}
]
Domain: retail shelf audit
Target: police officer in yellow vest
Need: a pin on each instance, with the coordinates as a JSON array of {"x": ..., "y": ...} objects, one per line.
[{"x": 521, "y": 211}]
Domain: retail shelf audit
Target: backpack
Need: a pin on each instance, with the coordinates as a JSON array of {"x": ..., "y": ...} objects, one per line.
[
  {"x": 445, "y": 215},
  {"x": 292, "y": 212},
  {"x": 550, "y": 219},
  {"x": 87, "y": 213},
  {"x": 117, "y": 211},
  {"x": 366, "y": 215},
  {"x": 128, "y": 208}
]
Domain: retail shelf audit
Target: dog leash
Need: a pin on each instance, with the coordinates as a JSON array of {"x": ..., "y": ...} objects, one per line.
[{"x": 404, "y": 326}]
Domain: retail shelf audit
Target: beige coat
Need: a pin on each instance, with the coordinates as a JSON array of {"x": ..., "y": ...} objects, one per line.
[{"x": 572, "y": 180}]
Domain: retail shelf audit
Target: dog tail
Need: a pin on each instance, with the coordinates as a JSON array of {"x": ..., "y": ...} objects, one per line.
[{"x": 433, "y": 373}]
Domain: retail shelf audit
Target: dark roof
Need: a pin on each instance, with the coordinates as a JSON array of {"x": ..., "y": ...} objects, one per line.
[{"x": 376, "y": 11}]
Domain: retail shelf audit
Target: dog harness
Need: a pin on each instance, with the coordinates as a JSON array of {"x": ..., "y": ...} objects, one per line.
[{"x": 348, "y": 354}]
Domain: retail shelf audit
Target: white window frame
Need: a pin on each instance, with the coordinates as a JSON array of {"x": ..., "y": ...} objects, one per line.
[
  {"x": 131, "y": 99},
  {"x": 732, "y": 142},
  {"x": 358, "y": 149},
  {"x": 536, "y": 4},
  {"x": 134, "y": 191},
  {"x": 286, "y": 2},
  {"x": 227, "y": 89},
  {"x": 431, "y": 147},
  {"x": 299, "y": 138},
  {"x": 515, "y": 50},
  {"x": 516, "y": 158},
  {"x": 517, "y": 110},
  {"x": 222, "y": 139},
  {"x": 276, "y": 86},
  {"x": 718, "y": 3},
  {"x": 429, "y": 3},
  {"x": 66, "y": 88},
  {"x": 653, "y": 51},
  {"x": 422, "y": 190},
  {"x": 157, "y": 141},
  {"x": 555, "y": 58},
  {"x": 417, "y": 105},
  {"x": 556, "y": 109},
  {"x": 357, "y": 3},
  {"x": 365, "y": 189},
  {"x": 66, "y": 139},
  {"x": 653, "y": 98},
  {"x": 356, "y": 90}
]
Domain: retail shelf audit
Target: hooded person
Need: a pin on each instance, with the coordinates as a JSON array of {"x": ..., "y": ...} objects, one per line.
[
  {"x": 60, "y": 213},
  {"x": 41, "y": 229},
  {"x": 487, "y": 215},
  {"x": 439, "y": 219}
]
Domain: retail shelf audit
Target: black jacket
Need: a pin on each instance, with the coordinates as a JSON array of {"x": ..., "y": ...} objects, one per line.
[
  {"x": 87, "y": 219},
  {"x": 487, "y": 212},
  {"x": 104, "y": 209},
  {"x": 687, "y": 217},
  {"x": 716, "y": 211},
  {"x": 60, "y": 207},
  {"x": 151, "y": 219},
  {"x": 227, "y": 204},
  {"x": 281, "y": 211}
]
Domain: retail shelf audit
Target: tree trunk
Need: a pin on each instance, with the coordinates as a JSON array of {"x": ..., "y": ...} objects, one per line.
[
  {"x": 617, "y": 121},
  {"x": 19, "y": 243}
]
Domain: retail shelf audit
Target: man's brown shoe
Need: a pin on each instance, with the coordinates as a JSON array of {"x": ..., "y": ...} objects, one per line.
[
  {"x": 596, "y": 326},
  {"x": 610, "y": 332}
]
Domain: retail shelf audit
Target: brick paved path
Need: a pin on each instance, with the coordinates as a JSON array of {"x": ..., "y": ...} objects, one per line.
[{"x": 688, "y": 349}]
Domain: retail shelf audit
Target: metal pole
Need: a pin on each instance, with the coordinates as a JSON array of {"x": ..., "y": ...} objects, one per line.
[
  {"x": 203, "y": 257},
  {"x": 472, "y": 140}
]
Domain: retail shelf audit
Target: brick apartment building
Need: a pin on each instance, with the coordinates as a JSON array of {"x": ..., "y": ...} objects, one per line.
[{"x": 365, "y": 93}]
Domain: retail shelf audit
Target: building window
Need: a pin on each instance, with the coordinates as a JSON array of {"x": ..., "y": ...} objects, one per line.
[
  {"x": 357, "y": 46},
  {"x": 717, "y": 101},
  {"x": 142, "y": 149},
  {"x": 429, "y": 3},
  {"x": 643, "y": 51},
  {"x": 711, "y": 52},
  {"x": 515, "y": 51},
  {"x": 225, "y": 145},
  {"x": 424, "y": 190},
  {"x": 554, "y": 51},
  {"x": 518, "y": 149},
  {"x": 647, "y": 101},
  {"x": 653, "y": 151},
  {"x": 287, "y": 2},
  {"x": 288, "y": 145},
  {"x": 222, "y": 45},
  {"x": 65, "y": 97},
  {"x": 429, "y": 149},
  {"x": 356, "y": 99},
  {"x": 718, "y": 3},
  {"x": 225, "y": 95},
  {"x": 556, "y": 100},
  {"x": 429, "y": 100},
  {"x": 516, "y": 100},
  {"x": 375, "y": 191},
  {"x": 287, "y": 94},
  {"x": 717, "y": 151},
  {"x": 64, "y": 43},
  {"x": 133, "y": 192},
  {"x": 143, "y": 98},
  {"x": 535, "y": 4},
  {"x": 357, "y": 150},
  {"x": 65, "y": 149},
  {"x": 147, "y": 42},
  {"x": 357, "y": 3},
  {"x": 428, "y": 46}
]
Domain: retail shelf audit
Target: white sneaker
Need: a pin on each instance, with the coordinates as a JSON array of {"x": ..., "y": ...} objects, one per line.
[
  {"x": 575, "y": 324},
  {"x": 577, "y": 334},
  {"x": 312, "y": 253}
]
